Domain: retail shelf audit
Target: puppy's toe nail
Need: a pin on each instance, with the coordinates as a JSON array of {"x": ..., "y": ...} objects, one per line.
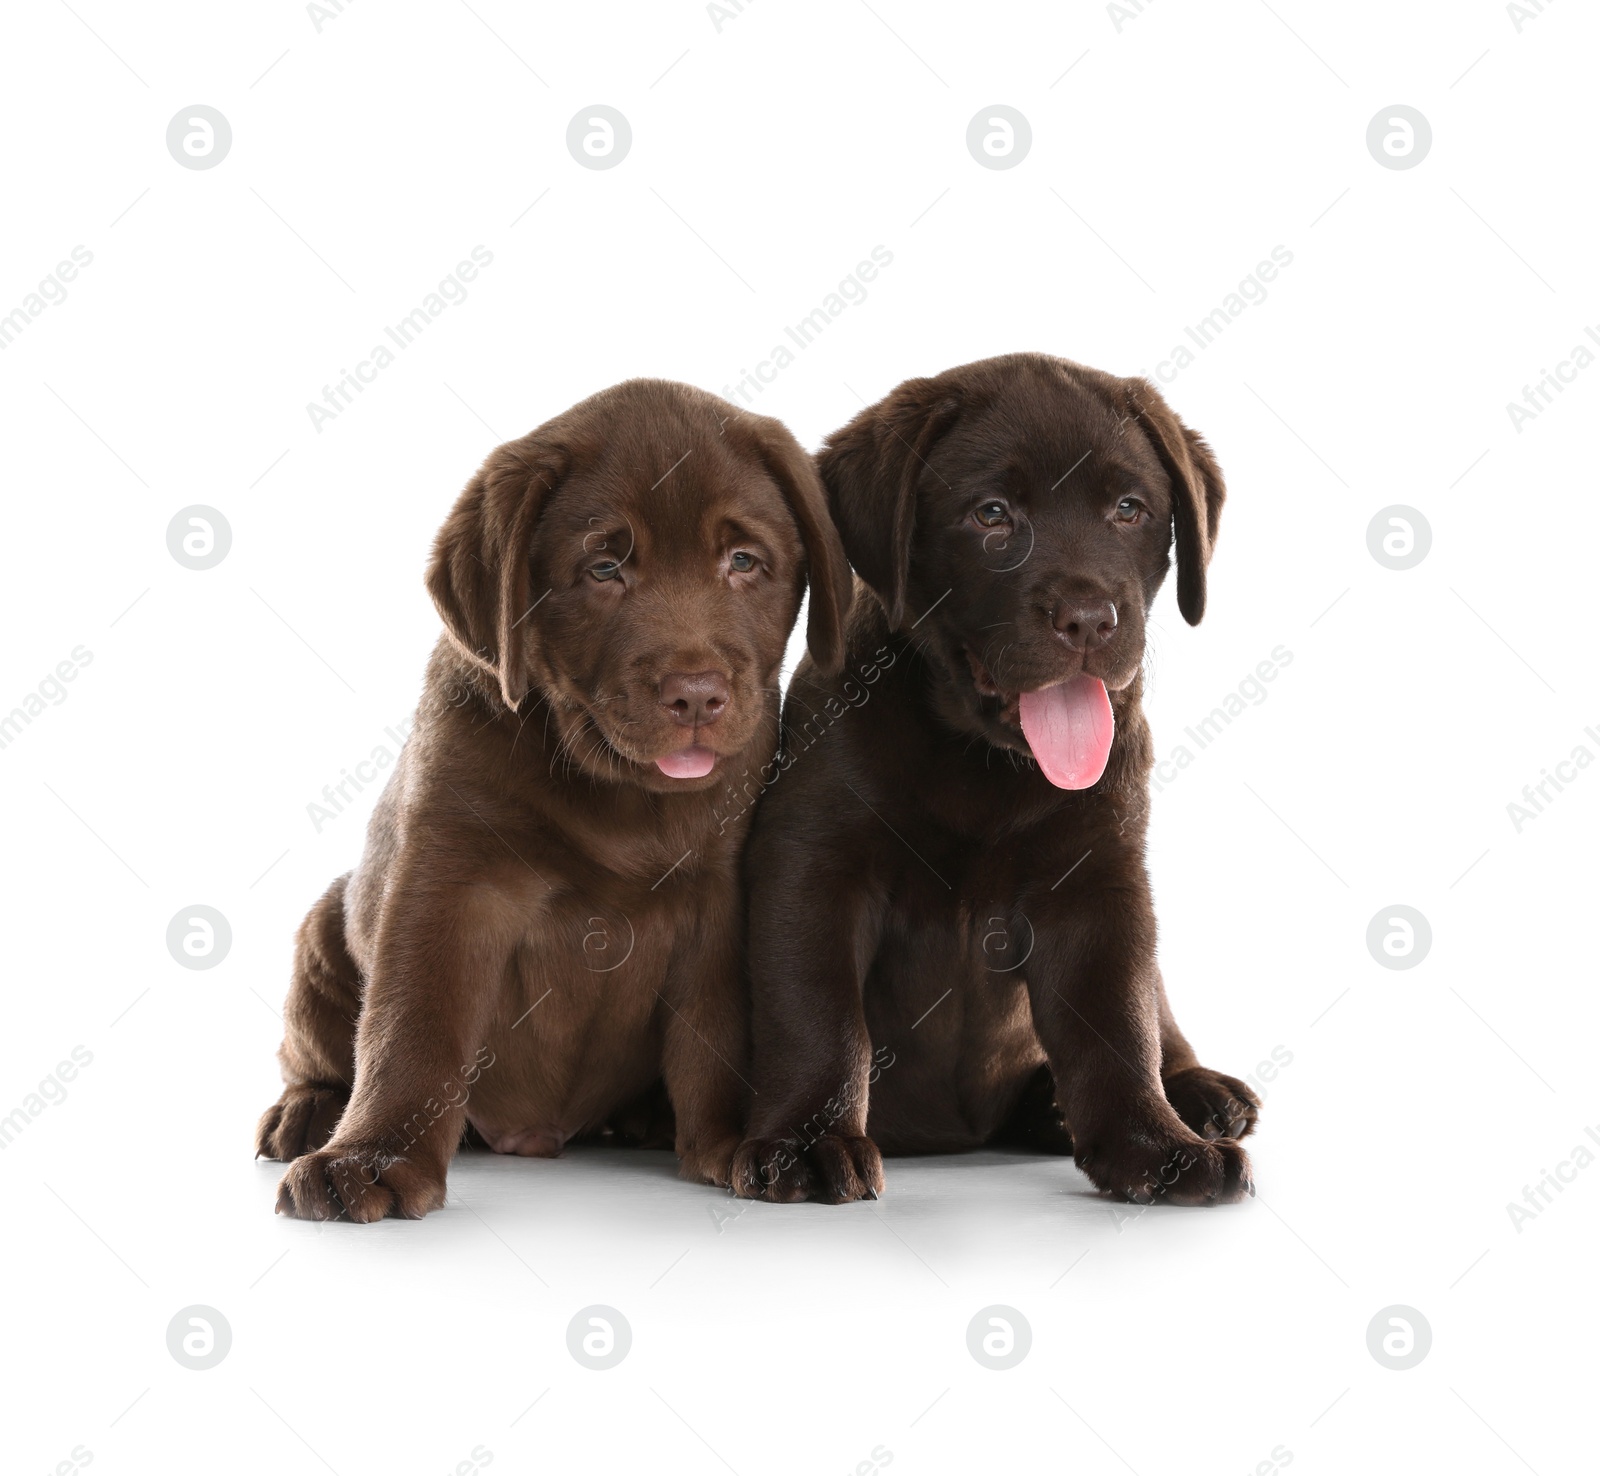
[{"x": 871, "y": 1192}]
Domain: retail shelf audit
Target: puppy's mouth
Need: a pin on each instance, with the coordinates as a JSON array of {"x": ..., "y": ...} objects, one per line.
[
  {"x": 1068, "y": 726},
  {"x": 694, "y": 759},
  {"x": 693, "y": 762}
]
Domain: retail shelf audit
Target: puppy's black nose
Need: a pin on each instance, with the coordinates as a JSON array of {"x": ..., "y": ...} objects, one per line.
[
  {"x": 694, "y": 698},
  {"x": 1085, "y": 626}
]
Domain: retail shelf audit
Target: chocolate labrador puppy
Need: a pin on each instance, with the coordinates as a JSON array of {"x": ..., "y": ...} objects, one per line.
[
  {"x": 548, "y": 916},
  {"x": 952, "y": 941}
]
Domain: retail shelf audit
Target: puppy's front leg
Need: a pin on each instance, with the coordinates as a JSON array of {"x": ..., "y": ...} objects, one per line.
[
  {"x": 706, "y": 1044},
  {"x": 812, "y": 932},
  {"x": 440, "y": 956},
  {"x": 1092, "y": 985}
]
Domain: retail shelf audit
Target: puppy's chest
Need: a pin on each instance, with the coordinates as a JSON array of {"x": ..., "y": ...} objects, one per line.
[
  {"x": 639, "y": 859},
  {"x": 989, "y": 810},
  {"x": 597, "y": 945},
  {"x": 589, "y": 926},
  {"x": 983, "y": 889},
  {"x": 574, "y": 1029},
  {"x": 983, "y": 846},
  {"x": 577, "y": 1020}
]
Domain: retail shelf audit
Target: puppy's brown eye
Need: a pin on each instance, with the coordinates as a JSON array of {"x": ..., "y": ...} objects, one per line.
[
  {"x": 742, "y": 562},
  {"x": 1129, "y": 510},
  {"x": 992, "y": 514},
  {"x": 606, "y": 569}
]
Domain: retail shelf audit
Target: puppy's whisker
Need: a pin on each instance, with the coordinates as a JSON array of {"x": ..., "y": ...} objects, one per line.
[{"x": 518, "y": 739}]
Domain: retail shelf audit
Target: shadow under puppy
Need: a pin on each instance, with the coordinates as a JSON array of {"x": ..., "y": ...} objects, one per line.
[
  {"x": 952, "y": 940},
  {"x": 547, "y": 920}
]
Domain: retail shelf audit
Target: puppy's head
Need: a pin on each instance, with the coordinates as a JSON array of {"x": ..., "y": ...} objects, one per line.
[
  {"x": 637, "y": 563},
  {"x": 1016, "y": 517}
]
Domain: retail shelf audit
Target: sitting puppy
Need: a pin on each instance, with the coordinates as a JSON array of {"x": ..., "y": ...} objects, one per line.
[
  {"x": 548, "y": 917},
  {"x": 949, "y": 902}
]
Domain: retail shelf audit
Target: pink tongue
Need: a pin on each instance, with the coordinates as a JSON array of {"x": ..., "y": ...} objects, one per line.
[
  {"x": 1069, "y": 728},
  {"x": 690, "y": 763}
]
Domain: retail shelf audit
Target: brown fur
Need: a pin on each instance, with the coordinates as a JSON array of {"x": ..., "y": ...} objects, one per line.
[
  {"x": 544, "y": 926},
  {"x": 945, "y": 950}
]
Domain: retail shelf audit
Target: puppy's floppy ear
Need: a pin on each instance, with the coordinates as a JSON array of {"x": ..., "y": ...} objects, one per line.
[
  {"x": 480, "y": 572},
  {"x": 827, "y": 568},
  {"x": 1197, "y": 491},
  {"x": 871, "y": 469}
]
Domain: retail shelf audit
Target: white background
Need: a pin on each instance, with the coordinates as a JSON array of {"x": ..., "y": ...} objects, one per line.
[{"x": 1172, "y": 150}]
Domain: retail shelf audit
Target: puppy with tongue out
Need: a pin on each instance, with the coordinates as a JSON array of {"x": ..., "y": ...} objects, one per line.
[{"x": 952, "y": 934}]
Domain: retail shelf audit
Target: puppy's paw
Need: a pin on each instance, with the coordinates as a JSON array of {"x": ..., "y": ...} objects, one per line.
[
  {"x": 303, "y": 1118},
  {"x": 1166, "y": 1164},
  {"x": 834, "y": 1169},
  {"x": 1211, "y": 1104},
  {"x": 359, "y": 1182},
  {"x": 708, "y": 1163}
]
